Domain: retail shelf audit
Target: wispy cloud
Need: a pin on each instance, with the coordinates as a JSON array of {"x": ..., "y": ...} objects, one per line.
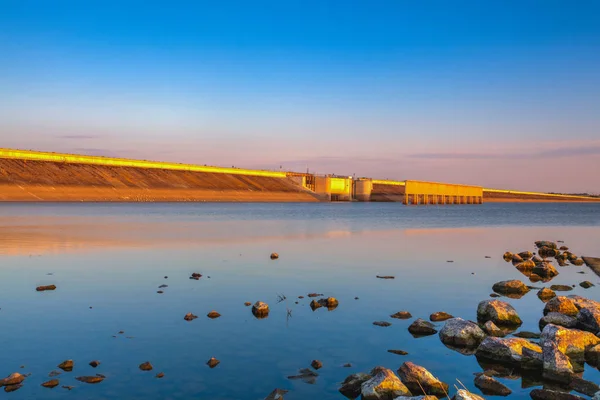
[
  {"x": 562, "y": 151},
  {"x": 78, "y": 137}
]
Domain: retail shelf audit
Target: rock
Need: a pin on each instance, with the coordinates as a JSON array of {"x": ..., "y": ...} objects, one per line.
[
  {"x": 571, "y": 342},
  {"x": 384, "y": 385},
  {"x": 274, "y": 256},
  {"x": 213, "y": 314},
  {"x": 561, "y": 288},
  {"x": 499, "y": 312},
  {"x": 463, "y": 394},
  {"x": 316, "y": 364},
  {"x": 385, "y": 277},
  {"x": 260, "y": 309},
  {"x": 420, "y": 381},
  {"x": 516, "y": 259},
  {"x": 146, "y": 366},
  {"x": 315, "y": 294},
  {"x": 527, "y": 335},
  {"x": 402, "y": 315},
  {"x": 44, "y": 288},
  {"x": 507, "y": 256},
  {"x": 159, "y": 292},
  {"x": 525, "y": 266},
  {"x": 12, "y": 388},
  {"x": 398, "y": 352},
  {"x": 196, "y": 276},
  {"x": 351, "y": 386},
  {"x": 547, "y": 252},
  {"x": 66, "y": 365},
  {"x": 504, "y": 350},
  {"x": 382, "y": 323},
  {"x": 493, "y": 330},
  {"x": 160, "y": 375},
  {"x": 586, "y": 284},
  {"x": 563, "y": 248},
  {"x": 544, "y": 270},
  {"x": 556, "y": 365},
  {"x": 163, "y": 286},
  {"x": 247, "y": 304},
  {"x": 510, "y": 287},
  {"x": 593, "y": 263},
  {"x": 307, "y": 375},
  {"x": 330, "y": 302},
  {"x": 588, "y": 319},
  {"x": 584, "y": 387},
  {"x": 347, "y": 365},
  {"x": 213, "y": 362},
  {"x": 525, "y": 255},
  {"x": 189, "y": 316},
  {"x": 546, "y": 394},
  {"x": 578, "y": 262},
  {"x": 563, "y": 305},
  {"x": 545, "y": 243},
  {"x": 460, "y": 333},
  {"x": 592, "y": 355},
  {"x": 531, "y": 360},
  {"x": 491, "y": 386},
  {"x": 546, "y": 294},
  {"x": 276, "y": 394},
  {"x": 537, "y": 259},
  {"x": 90, "y": 379},
  {"x": 54, "y": 373},
  {"x": 422, "y": 328},
  {"x": 315, "y": 304},
  {"x": 13, "y": 379},
  {"x": 495, "y": 295},
  {"x": 94, "y": 363},
  {"x": 51, "y": 383},
  {"x": 440, "y": 316},
  {"x": 557, "y": 319},
  {"x": 68, "y": 387}
]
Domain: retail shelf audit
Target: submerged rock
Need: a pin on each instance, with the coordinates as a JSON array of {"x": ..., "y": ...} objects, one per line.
[
  {"x": 351, "y": 386},
  {"x": 44, "y": 288},
  {"x": 531, "y": 360},
  {"x": 66, "y": 365},
  {"x": 276, "y": 394},
  {"x": 189, "y": 316},
  {"x": 463, "y": 394},
  {"x": 491, "y": 386},
  {"x": 384, "y": 385},
  {"x": 213, "y": 314},
  {"x": 402, "y": 315},
  {"x": 51, "y": 383},
  {"x": 440, "y": 316},
  {"x": 306, "y": 375},
  {"x": 260, "y": 309},
  {"x": 546, "y": 294},
  {"x": 12, "y": 388},
  {"x": 382, "y": 323},
  {"x": 422, "y": 328},
  {"x": 584, "y": 387},
  {"x": 510, "y": 287},
  {"x": 94, "y": 363},
  {"x": 527, "y": 335},
  {"x": 460, "y": 333},
  {"x": 499, "y": 312},
  {"x": 196, "y": 276},
  {"x": 547, "y": 394},
  {"x": 13, "y": 379},
  {"x": 557, "y": 319},
  {"x": 145, "y": 366},
  {"x": 420, "y": 381},
  {"x": 561, "y": 288},
  {"x": 586, "y": 284},
  {"x": 504, "y": 350},
  {"x": 398, "y": 352},
  {"x": 385, "y": 277},
  {"x": 90, "y": 379},
  {"x": 316, "y": 364},
  {"x": 213, "y": 362},
  {"x": 247, "y": 304}
]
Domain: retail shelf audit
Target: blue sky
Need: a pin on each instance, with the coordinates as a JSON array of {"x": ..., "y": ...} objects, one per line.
[{"x": 493, "y": 93}]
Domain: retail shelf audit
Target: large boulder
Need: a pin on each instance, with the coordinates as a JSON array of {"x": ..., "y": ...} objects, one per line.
[
  {"x": 351, "y": 386},
  {"x": 504, "y": 350},
  {"x": 557, "y": 366},
  {"x": 384, "y": 385},
  {"x": 490, "y": 386},
  {"x": 460, "y": 333},
  {"x": 420, "y": 381},
  {"x": 499, "y": 312},
  {"x": 510, "y": 287},
  {"x": 463, "y": 394},
  {"x": 531, "y": 359},
  {"x": 545, "y": 270},
  {"x": 569, "y": 305},
  {"x": 493, "y": 330},
  {"x": 589, "y": 319},
  {"x": 572, "y": 342},
  {"x": 558, "y": 319}
]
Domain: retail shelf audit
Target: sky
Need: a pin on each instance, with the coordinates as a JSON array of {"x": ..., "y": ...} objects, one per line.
[{"x": 503, "y": 94}]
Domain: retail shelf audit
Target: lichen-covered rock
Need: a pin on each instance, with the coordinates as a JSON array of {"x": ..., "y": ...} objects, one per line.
[
  {"x": 572, "y": 342},
  {"x": 51, "y": 383},
  {"x": 422, "y": 328},
  {"x": 351, "y": 386},
  {"x": 460, "y": 333},
  {"x": 563, "y": 305},
  {"x": 544, "y": 270},
  {"x": 440, "y": 316},
  {"x": 510, "y": 287},
  {"x": 547, "y": 252},
  {"x": 493, "y": 330},
  {"x": 260, "y": 309},
  {"x": 384, "y": 385},
  {"x": 531, "y": 360},
  {"x": 557, "y": 366},
  {"x": 592, "y": 355},
  {"x": 420, "y": 381},
  {"x": 525, "y": 255},
  {"x": 546, "y": 294},
  {"x": 504, "y": 350},
  {"x": 507, "y": 256},
  {"x": 66, "y": 365},
  {"x": 499, "y": 312},
  {"x": 547, "y": 394},
  {"x": 491, "y": 386},
  {"x": 13, "y": 379},
  {"x": 90, "y": 379},
  {"x": 545, "y": 243},
  {"x": 557, "y": 319},
  {"x": 525, "y": 266},
  {"x": 463, "y": 394}
]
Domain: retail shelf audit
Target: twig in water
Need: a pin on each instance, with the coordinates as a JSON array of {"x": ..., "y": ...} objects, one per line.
[{"x": 280, "y": 298}]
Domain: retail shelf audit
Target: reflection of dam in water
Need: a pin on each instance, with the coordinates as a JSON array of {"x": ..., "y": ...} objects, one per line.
[{"x": 42, "y": 176}]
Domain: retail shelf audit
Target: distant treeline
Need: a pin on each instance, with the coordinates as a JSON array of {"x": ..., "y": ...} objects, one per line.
[{"x": 576, "y": 194}]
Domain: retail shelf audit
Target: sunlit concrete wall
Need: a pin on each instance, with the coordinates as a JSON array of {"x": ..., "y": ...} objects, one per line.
[
  {"x": 123, "y": 162},
  {"x": 419, "y": 192},
  {"x": 363, "y": 189}
]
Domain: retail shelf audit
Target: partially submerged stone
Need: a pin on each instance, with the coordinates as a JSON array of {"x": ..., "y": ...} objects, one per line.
[
  {"x": 276, "y": 394},
  {"x": 385, "y": 277},
  {"x": 545, "y": 243},
  {"x": 561, "y": 288},
  {"x": 490, "y": 386},
  {"x": 547, "y": 394},
  {"x": 382, "y": 323},
  {"x": 545, "y": 270},
  {"x": 420, "y": 381},
  {"x": 51, "y": 383},
  {"x": 66, "y": 365},
  {"x": 94, "y": 363},
  {"x": 510, "y": 287},
  {"x": 12, "y": 388},
  {"x": 306, "y": 375},
  {"x": 160, "y": 375},
  {"x": 572, "y": 342},
  {"x": 398, "y": 352},
  {"x": 145, "y": 366},
  {"x": 527, "y": 335},
  {"x": 507, "y": 256},
  {"x": 384, "y": 385},
  {"x": 189, "y": 316},
  {"x": 493, "y": 330},
  {"x": 213, "y": 314},
  {"x": 440, "y": 316},
  {"x": 13, "y": 379},
  {"x": 351, "y": 386},
  {"x": 90, "y": 379},
  {"x": 213, "y": 362},
  {"x": 463, "y": 394},
  {"x": 557, "y": 319},
  {"x": 499, "y": 312},
  {"x": 196, "y": 276},
  {"x": 460, "y": 333},
  {"x": 582, "y": 386},
  {"x": 586, "y": 284},
  {"x": 260, "y": 309},
  {"x": 525, "y": 255},
  {"x": 274, "y": 256},
  {"x": 592, "y": 355},
  {"x": 546, "y": 294},
  {"x": 402, "y": 315},
  {"x": 46, "y": 287},
  {"x": 316, "y": 364},
  {"x": 420, "y": 327},
  {"x": 504, "y": 350},
  {"x": 556, "y": 365}
]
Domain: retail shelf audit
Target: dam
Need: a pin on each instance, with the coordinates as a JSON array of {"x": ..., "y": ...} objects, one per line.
[{"x": 43, "y": 176}]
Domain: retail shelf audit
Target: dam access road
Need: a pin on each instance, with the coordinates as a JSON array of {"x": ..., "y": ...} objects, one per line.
[{"x": 42, "y": 176}]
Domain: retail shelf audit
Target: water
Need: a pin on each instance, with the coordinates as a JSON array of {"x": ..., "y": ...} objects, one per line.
[{"x": 113, "y": 257}]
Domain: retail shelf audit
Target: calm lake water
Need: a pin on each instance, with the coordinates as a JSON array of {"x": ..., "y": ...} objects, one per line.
[{"x": 108, "y": 260}]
